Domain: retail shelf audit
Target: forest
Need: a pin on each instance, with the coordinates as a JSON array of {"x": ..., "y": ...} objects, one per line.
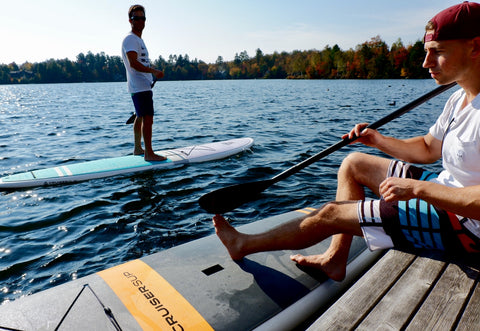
[{"x": 373, "y": 59}]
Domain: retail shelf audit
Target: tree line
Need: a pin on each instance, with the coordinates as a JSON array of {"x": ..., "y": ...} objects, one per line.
[{"x": 373, "y": 59}]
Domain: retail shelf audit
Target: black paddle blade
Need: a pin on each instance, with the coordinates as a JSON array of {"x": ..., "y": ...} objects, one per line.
[
  {"x": 131, "y": 119},
  {"x": 228, "y": 198}
]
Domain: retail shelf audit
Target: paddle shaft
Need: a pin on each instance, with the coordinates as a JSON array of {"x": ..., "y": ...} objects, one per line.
[
  {"x": 374, "y": 125},
  {"x": 231, "y": 197},
  {"x": 132, "y": 118}
]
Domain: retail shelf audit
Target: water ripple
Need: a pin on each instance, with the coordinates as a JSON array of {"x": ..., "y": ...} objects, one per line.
[{"x": 50, "y": 235}]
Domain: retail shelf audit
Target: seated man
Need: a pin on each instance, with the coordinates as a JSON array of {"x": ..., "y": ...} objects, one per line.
[{"x": 417, "y": 209}]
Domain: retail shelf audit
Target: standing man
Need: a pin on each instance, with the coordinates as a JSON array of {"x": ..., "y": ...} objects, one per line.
[
  {"x": 139, "y": 80},
  {"x": 417, "y": 209}
]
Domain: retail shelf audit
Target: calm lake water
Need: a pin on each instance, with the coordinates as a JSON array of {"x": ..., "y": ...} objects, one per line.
[{"x": 50, "y": 235}]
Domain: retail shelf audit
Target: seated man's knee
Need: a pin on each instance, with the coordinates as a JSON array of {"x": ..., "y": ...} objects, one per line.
[
  {"x": 330, "y": 210},
  {"x": 340, "y": 217},
  {"x": 351, "y": 162}
]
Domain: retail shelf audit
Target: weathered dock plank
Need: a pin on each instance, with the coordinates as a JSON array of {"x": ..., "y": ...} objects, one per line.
[
  {"x": 356, "y": 303},
  {"x": 397, "y": 306},
  {"x": 444, "y": 305},
  {"x": 403, "y": 291},
  {"x": 470, "y": 320}
]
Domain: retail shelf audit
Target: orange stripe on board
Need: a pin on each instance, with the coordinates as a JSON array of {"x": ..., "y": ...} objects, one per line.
[
  {"x": 307, "y": 210},
  {"x": 155, "y": 304}
]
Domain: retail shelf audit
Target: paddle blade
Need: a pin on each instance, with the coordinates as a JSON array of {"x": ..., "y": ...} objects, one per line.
[
  {"x": 228, "y": 198},
  {"x": 131, "y": 119}
]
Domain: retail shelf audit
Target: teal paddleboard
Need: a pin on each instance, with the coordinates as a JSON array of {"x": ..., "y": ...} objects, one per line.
[{"x": 76, "y": 172}]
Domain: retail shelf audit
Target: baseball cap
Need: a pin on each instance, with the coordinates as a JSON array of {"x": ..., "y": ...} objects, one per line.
[{"x": 460, "y": 21}]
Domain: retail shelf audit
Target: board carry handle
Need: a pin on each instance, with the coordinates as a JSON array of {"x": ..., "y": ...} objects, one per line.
[{"x": 231, "y": 197}]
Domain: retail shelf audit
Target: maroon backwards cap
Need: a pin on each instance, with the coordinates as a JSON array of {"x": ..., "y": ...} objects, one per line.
[{"x": 461, "y": 21}]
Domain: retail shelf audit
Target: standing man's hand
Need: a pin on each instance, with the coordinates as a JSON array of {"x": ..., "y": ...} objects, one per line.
[{"x": 157, "y": 73}]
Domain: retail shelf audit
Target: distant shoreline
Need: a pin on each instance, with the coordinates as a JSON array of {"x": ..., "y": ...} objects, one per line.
[{"x": 370, "y": 60}]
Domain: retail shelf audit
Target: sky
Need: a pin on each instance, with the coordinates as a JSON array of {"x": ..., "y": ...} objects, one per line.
[{"x": 35, "y": 31}]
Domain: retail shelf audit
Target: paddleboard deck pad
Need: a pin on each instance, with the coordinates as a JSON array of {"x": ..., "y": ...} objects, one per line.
[
  {"x": 76, "y": 172},
  {"x": 194, "y": 286}
]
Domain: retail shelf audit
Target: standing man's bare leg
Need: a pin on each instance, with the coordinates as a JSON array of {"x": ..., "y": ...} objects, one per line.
[
  {"x": 137, "y": 134},
  {"x": 354, "y": 174},
  {"x": 147, "y": 139}
]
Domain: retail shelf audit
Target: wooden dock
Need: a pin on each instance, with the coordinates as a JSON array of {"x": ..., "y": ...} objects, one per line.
[{"x": 404, "y": 291}]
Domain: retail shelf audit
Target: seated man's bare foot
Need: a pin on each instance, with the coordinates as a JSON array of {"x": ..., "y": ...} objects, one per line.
[
  {"x": 331, "y": 268},
  {"x": 230, "y": 237},
  {"x": 154, "y": 157}
]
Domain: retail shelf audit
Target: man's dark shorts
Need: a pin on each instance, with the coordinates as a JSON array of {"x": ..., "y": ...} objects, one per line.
[
  {"x": 143, "y": 102},
  {"x": 415, "y": 224}
]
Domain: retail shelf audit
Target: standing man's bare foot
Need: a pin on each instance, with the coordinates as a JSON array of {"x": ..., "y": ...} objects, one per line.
[
  {"x": 332, "y": 268},
  {"x": 138, "y": 151},
  {"x": 154, "y": 157},
  {"x": 230, "y": 237}
]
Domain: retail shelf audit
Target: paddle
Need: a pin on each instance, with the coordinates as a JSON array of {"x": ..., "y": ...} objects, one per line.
[
  {"x": 132, "y": 118},
  {"x": 228, "y": 198}
]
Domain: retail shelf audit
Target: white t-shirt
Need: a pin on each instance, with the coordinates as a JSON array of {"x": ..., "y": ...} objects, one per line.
[
  {"x": 461, "y": 145},
  {"x": 136, "y": 81}
]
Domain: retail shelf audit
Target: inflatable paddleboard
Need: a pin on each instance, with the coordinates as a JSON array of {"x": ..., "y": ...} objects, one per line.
[
  {"x": 125, "y": 165},
  {"x": 194, "y": 286}
]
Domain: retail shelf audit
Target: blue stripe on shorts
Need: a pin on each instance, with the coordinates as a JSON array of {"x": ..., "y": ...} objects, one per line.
[{"x": 420, "y": 224}]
